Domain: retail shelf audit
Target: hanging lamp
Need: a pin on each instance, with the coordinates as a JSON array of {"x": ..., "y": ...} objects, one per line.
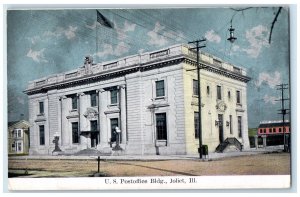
[{"x": 231, "y": 34}]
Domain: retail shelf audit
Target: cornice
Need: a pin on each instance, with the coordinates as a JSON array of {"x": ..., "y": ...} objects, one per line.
[
  {"x": 218, "y": 70},
  {"x": 135, "y": 68}
]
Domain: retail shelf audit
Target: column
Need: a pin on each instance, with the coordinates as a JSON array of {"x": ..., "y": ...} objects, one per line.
[
  {"x": 82, "y": 122},
  {"x": 60, "y": 120},
  {"x": 98, "y": 124},
  {"x": 64, "y": 126},
  {"x": 264, "y": 141},
  {"x": 102, "y": 119},
  {"x": 123, "y": 113},
  {"x": 256, "y": 141}
]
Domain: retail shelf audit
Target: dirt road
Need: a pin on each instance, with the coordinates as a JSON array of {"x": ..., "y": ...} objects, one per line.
[{"x": 262, "y": 164}]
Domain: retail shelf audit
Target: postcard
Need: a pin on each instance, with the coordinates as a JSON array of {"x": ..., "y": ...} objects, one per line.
[{"x": 149, "y": 98}]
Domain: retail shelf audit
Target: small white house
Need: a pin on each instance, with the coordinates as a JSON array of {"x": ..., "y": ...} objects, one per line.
[{"x": 18, "y": 137}]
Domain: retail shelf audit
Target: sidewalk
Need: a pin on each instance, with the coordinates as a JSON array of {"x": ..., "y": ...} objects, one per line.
[{"x": 211, "y": 156}]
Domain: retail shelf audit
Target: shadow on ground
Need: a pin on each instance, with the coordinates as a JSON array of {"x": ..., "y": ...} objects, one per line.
[{"x": 14, "y": 174}]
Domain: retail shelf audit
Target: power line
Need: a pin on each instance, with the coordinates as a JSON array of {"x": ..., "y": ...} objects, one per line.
[
  {"x": 84, "y": 34},
  {"x": 283, "y": 112},
  {"x": 108, "y": 39}
]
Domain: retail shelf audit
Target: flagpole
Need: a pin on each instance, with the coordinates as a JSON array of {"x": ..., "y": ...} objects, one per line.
[{"x": 96, "y": 60}]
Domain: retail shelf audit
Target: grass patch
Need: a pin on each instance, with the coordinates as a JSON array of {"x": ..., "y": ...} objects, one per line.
[
  {"x": 21, "y": 154},
  {"x": 252, "y": 132}
]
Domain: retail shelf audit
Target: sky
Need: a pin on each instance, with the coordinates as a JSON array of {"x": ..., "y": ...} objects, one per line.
[{"x": 45, "y": 42}]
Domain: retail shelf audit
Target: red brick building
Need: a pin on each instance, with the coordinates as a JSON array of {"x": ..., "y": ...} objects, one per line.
[{"x": 269, "y": 128}]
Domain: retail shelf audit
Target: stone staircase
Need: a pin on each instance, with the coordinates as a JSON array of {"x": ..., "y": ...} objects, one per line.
[{"x": 229, "y": 142}]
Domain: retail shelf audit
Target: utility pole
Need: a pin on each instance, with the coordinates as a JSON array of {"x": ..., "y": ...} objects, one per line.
[
  {"x": 283, "y": 112},
  {"x": 197, "y": 43}
]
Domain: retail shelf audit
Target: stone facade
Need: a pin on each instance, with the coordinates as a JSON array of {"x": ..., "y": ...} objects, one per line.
[{"x": 150, "y": 97}]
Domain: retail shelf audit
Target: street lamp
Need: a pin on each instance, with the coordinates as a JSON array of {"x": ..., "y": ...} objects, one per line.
[{"x": 231, "y": 34}]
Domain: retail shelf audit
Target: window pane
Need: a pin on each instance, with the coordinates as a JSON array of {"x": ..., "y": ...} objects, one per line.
[
  {"x": 161, "y": 126},
  {"x": 219, "y": 96},
  {"x": 113, "y": 124},
  {"x": 238, "y": 97},
  {"x": 19, "y": 132},
  {"x": 230, "y": 123},
  {"x": 93, "y": 125},
  {"x": 160, "y": 88},
  {"x": 195, "y": 87},
  {"x": 15, "y": 133},
  {"x": 19, "y": 146},
  {"x": 75, "y": 133},
  {"x": 93, "y": 99},
  {"x": 41, "y": 105},
  {"x": 240, "y": 126},
  {"x": 13, "y": 148},
  {"x": 114, "y": 96},
  {"x": 196, "y": 124},
  {"x": 74, "y": 102},
  {"x": 42, "y": 135}
]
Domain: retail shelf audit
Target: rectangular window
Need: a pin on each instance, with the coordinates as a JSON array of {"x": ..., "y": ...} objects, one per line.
[
  {"x": 13, "y": 148},
  {"x": 15, "y": 133},
  {"x": 19, "y": 131},
  {"x": 280, "y": 130},
  {"x": 161, "y": 126},
  {"x": 196, "y": 124},
  {"x": 240, "y": 125},
  {"x": 42, "y": 134},
  {"x": 195, "y": 87},
  {"x": 114, "y": 96},
  {"x": 219, "y": 95},
  {"x": 94, "y": 125},
  {"x": 41, "y": 106},
  {"x": 230, "y": 124},
  {"x": 74, "y": 102},
  {"x": 75, "y": 133},
  {"x": 265, "y": 130},
  {"x": 93, "y": 99},
  {"x": 19, "y": 147},
  {"x": 238, "y": 97},
  {"x": 114, "y": 122},
  {"x": 160, "y": 88}
]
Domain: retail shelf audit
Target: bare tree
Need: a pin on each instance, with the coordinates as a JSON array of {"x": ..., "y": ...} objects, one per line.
[{"x": 237, "y": 10}]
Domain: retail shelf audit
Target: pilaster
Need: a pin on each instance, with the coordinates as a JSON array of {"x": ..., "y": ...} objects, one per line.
[
  {"x": 123, "y": 113},
  {"x": 82, "y": 120},
  {"x": 102, "y": 118}
]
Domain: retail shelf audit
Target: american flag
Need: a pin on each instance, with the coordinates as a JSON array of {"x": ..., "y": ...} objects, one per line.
[{"x": 104, "y": 21}]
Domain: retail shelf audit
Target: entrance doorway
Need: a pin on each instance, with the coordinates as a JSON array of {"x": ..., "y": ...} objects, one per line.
[
  {"x": 94, "y": 140},
  {"x": 221, "y": 129}
]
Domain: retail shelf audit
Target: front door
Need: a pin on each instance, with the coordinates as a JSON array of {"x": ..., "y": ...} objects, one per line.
[
  {"x": 94, "y": 140},
  {"x": 221, "y": 132}
]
